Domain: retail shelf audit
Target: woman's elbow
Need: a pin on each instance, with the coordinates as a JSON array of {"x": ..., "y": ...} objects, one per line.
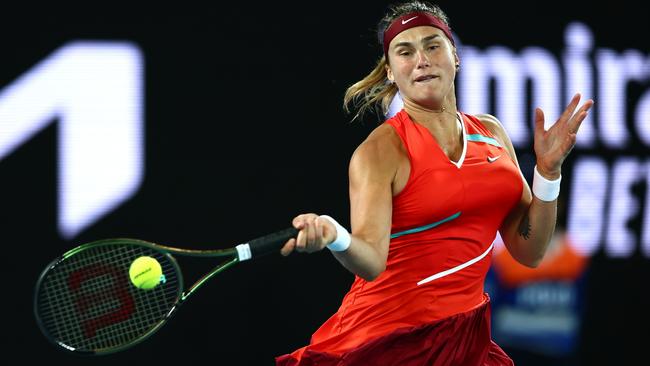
[
  {"x": 531, "y": 261},
  {"x": 372, "y": 273},
  {"x": 524, "y": 254}
]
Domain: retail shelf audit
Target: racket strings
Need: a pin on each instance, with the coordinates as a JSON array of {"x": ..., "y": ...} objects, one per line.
[{"x": 87, "y": 302}]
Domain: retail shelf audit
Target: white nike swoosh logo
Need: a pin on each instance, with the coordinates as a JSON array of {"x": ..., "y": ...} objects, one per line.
[
  {"x": 491, "y": 159},
  {"x": 408, "y": 20}
]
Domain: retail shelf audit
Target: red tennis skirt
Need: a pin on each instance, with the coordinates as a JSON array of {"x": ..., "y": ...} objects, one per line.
[{"x": 461, "y": 339}]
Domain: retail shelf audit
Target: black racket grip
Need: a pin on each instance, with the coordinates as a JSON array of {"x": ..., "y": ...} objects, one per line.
[{"x": 272, "y": 242}]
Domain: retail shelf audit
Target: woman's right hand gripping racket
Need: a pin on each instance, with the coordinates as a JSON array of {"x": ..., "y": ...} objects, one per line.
[{"x": 97, "y": 299}]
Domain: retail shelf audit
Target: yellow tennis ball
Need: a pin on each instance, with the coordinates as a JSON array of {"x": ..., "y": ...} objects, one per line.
[{"x": 145, "y": 272}]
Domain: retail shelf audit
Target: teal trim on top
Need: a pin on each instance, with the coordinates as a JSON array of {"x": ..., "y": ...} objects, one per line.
[
  {"x": 425, "y": 227},
  {"x": 480, "y": 138}
]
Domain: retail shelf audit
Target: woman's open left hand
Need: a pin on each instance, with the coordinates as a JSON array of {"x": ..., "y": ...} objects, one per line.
[{"x": 554, "y": 145}]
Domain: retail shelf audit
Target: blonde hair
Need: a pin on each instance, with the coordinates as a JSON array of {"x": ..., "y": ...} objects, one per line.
[{"x": 374, "y": 92}]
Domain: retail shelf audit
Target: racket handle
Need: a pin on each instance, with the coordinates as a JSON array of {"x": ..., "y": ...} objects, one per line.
[{"x": 266, "y": 244}]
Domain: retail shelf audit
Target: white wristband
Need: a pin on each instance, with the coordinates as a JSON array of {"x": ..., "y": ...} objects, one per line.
[
  {"x": 544, "y": 189},
  {"x": 343, "y": 238}
]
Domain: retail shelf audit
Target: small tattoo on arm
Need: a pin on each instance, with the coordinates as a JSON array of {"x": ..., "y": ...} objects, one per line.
[{"x": 525, "y": 228}]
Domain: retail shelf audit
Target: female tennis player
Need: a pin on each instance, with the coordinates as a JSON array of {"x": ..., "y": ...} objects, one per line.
[{"x": 429, "y": 189}]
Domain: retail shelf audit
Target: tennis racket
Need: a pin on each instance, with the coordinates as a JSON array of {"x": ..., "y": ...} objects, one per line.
[{"x": 86, "y": 303}]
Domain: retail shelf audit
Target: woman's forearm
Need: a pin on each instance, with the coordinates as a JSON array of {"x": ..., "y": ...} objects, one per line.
[
  {"x": 533, "y": 234},
  {"x": 362, "y": 259}
]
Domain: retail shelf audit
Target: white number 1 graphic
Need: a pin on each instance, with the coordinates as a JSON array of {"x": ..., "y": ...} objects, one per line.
[{"x": 95, "y": 90}]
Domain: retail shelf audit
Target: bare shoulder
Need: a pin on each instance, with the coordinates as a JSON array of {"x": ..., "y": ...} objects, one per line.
[
  {"x": 383, "y": 142},
  {"x": 494, "y": 125},
  {"x": 381, "y": 149}
]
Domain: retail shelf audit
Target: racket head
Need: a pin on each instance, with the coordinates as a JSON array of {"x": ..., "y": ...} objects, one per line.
[{"x": 85, "y": 302}]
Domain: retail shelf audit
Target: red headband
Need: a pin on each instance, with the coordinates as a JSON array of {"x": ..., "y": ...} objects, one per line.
[{"x": 411, "y": 20}]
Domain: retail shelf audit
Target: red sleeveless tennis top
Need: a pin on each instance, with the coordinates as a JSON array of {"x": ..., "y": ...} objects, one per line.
[{"x": 444, "y": 222}]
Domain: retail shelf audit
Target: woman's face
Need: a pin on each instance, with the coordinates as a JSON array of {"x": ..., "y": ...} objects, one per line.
[{"x": 422, "y": 63}]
